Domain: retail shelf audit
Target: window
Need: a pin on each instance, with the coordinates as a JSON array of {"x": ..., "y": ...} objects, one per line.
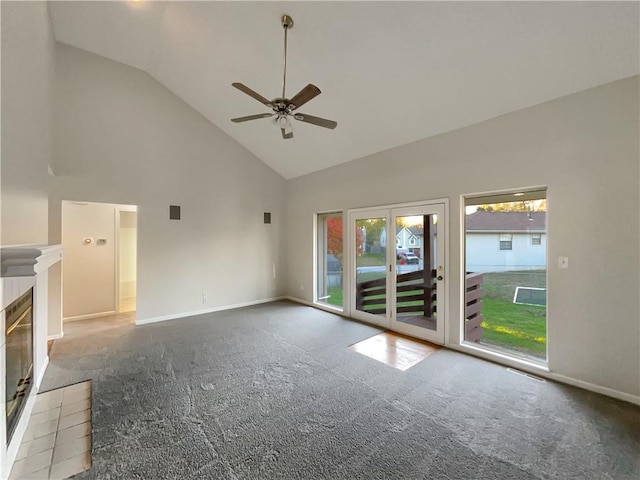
[
  {"x": 329, "y": 259},
  {"x": 412, "y": 241},
  {"x": 506, "y": 241},
  {"x": 505, "y": 295}
]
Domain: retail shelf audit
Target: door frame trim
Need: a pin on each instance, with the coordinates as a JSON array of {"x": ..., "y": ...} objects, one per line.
[{"x": 349, "y": 280}]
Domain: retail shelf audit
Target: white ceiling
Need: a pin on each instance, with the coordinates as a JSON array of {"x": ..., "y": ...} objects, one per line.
[{"x": 390, "y": 72}]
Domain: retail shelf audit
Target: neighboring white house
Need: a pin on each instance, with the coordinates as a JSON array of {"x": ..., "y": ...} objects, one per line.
[
  {"x": 503, "y": 241},
  {"x": 406, "y": 237}
]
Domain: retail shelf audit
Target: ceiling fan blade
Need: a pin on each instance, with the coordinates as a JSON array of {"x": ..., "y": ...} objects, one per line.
[
  {"x": 286, "y": 135},
  {"x": 252, "y": 117},
  {"x": 243, "y": 88},
  {"x": 321, "y": 122},
  {"x": 303, "y": 96}
]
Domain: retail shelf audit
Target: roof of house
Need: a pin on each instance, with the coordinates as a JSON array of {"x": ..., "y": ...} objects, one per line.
[
  {"x": 506, "y": 221},
  {"x": 413, "y": 230}
]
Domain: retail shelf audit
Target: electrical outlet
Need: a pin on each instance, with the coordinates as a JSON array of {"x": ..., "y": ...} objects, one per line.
[{"x": 204, "y": 297}]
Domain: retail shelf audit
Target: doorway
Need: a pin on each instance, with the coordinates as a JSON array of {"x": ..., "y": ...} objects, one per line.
[
  {"x": 398, "y": 268},
  {"x": 100, "y": 255},
  {"x": 127, "y": 260}
]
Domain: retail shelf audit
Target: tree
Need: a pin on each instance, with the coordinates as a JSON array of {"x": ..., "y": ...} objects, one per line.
[
  {"x": 334, "y": 238},
  {"x": 374, "y": 228},
  {"x": 412, "y": 221},
  {"x": 525, "y": 206}
]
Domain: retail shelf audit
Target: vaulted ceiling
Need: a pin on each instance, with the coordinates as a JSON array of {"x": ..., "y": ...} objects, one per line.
[{"x": 390, "y": 72}]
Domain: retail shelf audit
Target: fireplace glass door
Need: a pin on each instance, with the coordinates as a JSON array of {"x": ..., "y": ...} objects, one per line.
[{"x": 19, "y": 350}]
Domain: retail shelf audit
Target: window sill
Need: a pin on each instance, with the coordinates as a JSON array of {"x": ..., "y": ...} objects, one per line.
[
  {"x": 531, "y": 366},
  {"x": 328, "y": 307}
]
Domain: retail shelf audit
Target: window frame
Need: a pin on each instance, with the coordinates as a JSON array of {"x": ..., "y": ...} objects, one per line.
[
  {"x": 498, "y": 354},
  {"x": 503, "y": 242},
  {"x": 320, "y": 266}
]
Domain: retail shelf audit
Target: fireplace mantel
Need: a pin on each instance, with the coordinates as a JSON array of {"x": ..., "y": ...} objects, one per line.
[
  {"x": 24, "y": 267},
  {"x": 21, "y": 264}
]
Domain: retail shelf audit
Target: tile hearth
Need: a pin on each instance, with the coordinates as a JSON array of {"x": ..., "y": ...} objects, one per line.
[{"x": 57, "y": 443}]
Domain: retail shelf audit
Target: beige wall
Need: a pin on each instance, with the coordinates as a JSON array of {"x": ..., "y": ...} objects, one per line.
[
  {"x": 127, "y": 248},
  {"x": 121, "y": 137},
  {"x": 584, "y": 148},
  {"x": 89, "y": 269},
  {"x": 27, "y": 83}
]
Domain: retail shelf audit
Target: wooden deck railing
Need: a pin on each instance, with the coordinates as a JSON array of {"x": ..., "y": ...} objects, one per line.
[
  {"x": 371, "y": 296},
  {"x": 473, "y": 307}
]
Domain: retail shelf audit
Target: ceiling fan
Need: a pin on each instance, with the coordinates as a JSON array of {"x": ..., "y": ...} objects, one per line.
[{"x": 284, "y": 108}]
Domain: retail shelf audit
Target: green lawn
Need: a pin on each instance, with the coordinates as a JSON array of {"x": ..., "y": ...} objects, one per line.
[
  {"x": 335, "y": 296},
  {"x": 520, "y": 328},
  {"x": 502, "y": 285}
]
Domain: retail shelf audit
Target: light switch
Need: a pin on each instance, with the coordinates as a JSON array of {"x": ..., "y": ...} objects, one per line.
[{"x": 563, "y": 262}]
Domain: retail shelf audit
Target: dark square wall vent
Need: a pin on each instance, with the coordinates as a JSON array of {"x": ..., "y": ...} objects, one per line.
[
  {"x": 174, "y": 212},
  {"x": 267, "y": 217}
]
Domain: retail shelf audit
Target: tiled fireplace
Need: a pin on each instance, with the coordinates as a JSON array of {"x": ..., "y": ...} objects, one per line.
[{"x": 23, "y": 339}]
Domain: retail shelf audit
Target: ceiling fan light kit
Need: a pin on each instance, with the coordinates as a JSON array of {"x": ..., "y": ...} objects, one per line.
[{"x": 283, "y": 107}]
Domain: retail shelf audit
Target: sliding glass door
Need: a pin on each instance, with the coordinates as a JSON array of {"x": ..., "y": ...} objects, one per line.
[{"x": 398, "y": 269}]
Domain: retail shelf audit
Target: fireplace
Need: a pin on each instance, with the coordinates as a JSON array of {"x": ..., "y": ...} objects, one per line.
[{"x": 19, "y": 357}]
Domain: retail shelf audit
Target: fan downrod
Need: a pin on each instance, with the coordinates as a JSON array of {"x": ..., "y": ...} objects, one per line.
[{"x": 283, "y": 108}]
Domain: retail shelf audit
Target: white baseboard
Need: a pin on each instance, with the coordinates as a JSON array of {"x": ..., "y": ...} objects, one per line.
[
  {"x": 41, "y": 376},
  {"x": 163, "y": 318},
  {"x": 544, "y": 372},
  {"x": 299, "y": 300},
  {"x": 326, "y": 308},
  {"x": 609, "y": 392},
  {"x": 525, "y": 366},
  {"x": 57, "y": 336},
  {"x": 88, "y": 316}
]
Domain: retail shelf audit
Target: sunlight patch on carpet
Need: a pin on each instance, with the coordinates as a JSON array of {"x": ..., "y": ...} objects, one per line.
[{"x": 395, "y": 350}]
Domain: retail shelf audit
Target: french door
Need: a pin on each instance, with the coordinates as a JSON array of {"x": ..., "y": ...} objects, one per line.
[{"x": 398, "y": 269}]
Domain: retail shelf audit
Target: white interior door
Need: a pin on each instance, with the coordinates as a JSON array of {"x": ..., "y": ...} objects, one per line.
[{"x": 397, "y": 269}]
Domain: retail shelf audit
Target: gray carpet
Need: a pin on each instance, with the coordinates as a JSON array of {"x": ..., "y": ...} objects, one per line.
[{"x": 272, "y": 391}]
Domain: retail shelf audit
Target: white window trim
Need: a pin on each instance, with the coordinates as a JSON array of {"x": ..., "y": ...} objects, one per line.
[{"x": 459, "y": 343}]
